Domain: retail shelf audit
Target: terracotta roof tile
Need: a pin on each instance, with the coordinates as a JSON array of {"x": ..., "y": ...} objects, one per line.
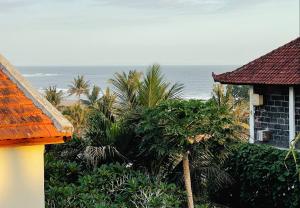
[
  {"x": 279, "y": 67},
  {"x": 21, "y": 122}
]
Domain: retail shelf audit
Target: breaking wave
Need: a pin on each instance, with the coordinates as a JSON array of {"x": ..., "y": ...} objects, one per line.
[{"x": 40, "y": 75}]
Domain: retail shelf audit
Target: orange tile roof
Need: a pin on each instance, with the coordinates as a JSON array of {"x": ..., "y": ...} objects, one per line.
[
  {"x": 279, "y": 67},
  {"x": 21, "y": 121}
]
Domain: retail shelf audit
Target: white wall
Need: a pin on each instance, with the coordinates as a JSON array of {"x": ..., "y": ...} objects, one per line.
[
  {"x": 22, "y": 177},
  {"x": 251, "y": 118}
]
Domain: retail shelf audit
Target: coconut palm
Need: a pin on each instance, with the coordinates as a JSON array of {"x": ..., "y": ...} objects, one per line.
[
  {"x": 239, "y": 108},
  {"x": 79, "y": 87},
  {"x": 53, "y": 95},
  {"x": 126, "y": 87},
  {"x": 131, "y": 91},
  {"x": 155, "y": 88},
  {"x": 106, "y": 104},
  {"x": 93, "y": 96}
]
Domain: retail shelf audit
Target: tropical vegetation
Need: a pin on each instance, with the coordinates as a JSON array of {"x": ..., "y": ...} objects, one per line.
[
  {"x": 139, "y": 144},
  {"x": 54, "y": 96},
  {"x": 263, "y": 178}
]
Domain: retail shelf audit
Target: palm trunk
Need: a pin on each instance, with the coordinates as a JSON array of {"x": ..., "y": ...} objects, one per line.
[{"x": 187, "y": 179}]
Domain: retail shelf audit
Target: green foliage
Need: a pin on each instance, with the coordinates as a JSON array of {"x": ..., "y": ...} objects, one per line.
[
  {"x": 238, "y": 107},
  {"x": 263, "y": 178},
  {"x": 174, "y": 126},
  {"x": 106, "y": 104},
  {"x": 77, "y": 115},
  {"x": 133, "y": 90},
  {"x": 240, "y": 92},
  {"x": 53, "y": 95},
  {"x": 93, "y": 96},
  {"x": 108, "y": 186},
  {"x": 155, "y": 89},
  {"x": 126, "y": 88},
  {"x": 293, "y": 153},
  {"x": 79, "y": 86},
  {"x": 67, "y": 152},
  {"x": 100, "y": 129}
]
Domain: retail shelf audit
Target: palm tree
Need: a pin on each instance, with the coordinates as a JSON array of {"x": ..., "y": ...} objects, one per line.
[
  {"x": 53, "y": 95},
  {"x": 224, "y": 97},
  {"x": 77, "y": 115},
  {"x": 131, "y": 91},
  {"x": 188, "y": 133},
  {"x": 79, "y": 87},
  {"x": 107, "y": 104},
  {"x": 155, "y": 88},
  {"x": 126, "y": 88},
  {"x": 103, "y": 134},
  {"x": 93, "y": 96}
]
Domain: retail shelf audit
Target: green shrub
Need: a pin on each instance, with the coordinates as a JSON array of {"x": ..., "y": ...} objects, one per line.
[
  {"x": 262, "y": 178},
  {"x": 108, "y": 186}
]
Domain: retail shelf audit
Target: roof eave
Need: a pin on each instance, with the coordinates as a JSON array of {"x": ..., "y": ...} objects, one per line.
[{"x": 34, "y": 141}]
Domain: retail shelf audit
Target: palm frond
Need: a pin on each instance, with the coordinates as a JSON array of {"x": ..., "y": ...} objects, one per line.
[
  {"x": 95, "y": 155},
  {"x": 93, "y": 96},
  {"x": 53, "y": 95},
  {"x": 79, "y": 86},
  {"x": 155, "y": 88},
  {"x": 126, "y": 89}
]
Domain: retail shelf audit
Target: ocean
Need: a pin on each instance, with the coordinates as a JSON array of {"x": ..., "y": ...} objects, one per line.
[{"x": 197, "y": 79}]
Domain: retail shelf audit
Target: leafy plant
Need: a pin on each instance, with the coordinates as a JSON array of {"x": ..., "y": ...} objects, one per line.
[
  {"x": 237, "y": 106},
  {"x": 294, "y": 153},
  {"x": 77, "y": 115},
  {"x": 175, "y": 130},
  {"x": 108, "y": 186},
  {"x": 263, "y": 178}
]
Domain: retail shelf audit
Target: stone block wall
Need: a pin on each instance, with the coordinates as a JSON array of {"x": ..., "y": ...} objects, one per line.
[{"x": 274, "y": 114}]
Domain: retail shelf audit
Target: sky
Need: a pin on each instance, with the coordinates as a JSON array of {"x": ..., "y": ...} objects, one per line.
[{"x": 143, "y": 32}]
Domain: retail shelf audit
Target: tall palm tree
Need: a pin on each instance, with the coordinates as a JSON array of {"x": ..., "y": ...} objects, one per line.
[
  {"x": 155, "y": 88},
  {"x": 53, "y": 95},
  {"x": 79, "y": 87},
  {"x": 93, "y": 96},
  {"x": 131, "y": 91},
  {"x": 126, "y": 88}
]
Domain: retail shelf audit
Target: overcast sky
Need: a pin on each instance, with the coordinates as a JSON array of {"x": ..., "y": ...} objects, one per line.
[{"x": 134, "y": 32}]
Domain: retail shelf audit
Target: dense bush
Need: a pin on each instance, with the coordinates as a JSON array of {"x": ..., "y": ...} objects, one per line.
[
  {"x": 68, "y": 185},
  {"x": 262, "y": 178}
]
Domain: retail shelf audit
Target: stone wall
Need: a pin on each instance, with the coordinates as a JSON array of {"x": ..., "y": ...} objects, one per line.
[{"x": 274, "y": 114}]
